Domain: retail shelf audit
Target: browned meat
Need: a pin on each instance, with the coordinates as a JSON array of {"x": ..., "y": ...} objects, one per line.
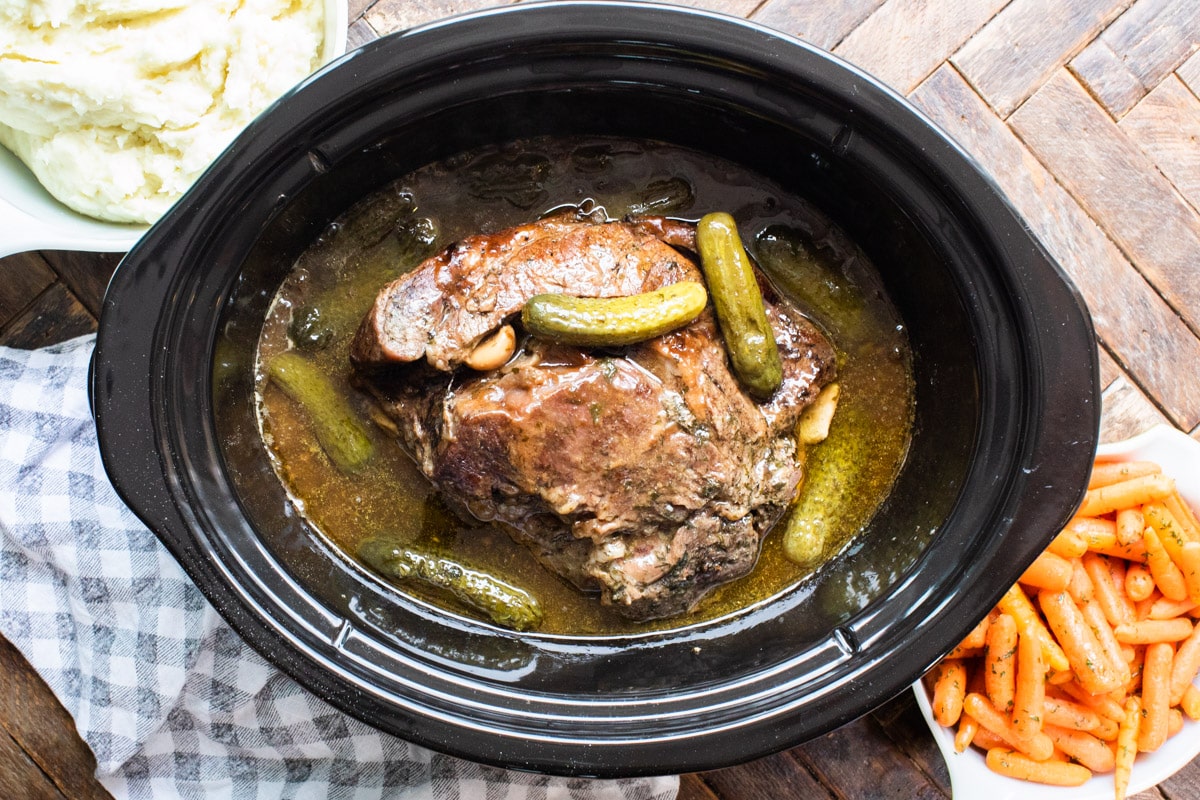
[{"x": 644, "y": 473}]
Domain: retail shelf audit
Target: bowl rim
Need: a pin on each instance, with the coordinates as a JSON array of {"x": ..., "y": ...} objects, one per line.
[{"x": 131, "y": 366}]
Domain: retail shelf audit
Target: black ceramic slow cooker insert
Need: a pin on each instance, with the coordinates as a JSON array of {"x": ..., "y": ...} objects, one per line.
[{"x": 1005, "y": 365}]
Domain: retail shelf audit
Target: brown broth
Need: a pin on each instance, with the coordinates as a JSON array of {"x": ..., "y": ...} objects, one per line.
[{"x": 812, "y": 263}]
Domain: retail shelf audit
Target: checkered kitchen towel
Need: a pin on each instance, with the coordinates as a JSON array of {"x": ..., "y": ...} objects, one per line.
[{"x": 171, "y": 700}]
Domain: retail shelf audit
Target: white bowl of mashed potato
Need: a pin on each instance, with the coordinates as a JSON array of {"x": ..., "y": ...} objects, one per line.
[{"x": 110, "y": 109}]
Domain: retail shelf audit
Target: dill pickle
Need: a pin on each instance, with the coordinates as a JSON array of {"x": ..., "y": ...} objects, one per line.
[
  {"x": 503, "y": 603},
  {"x": 338, "y": 430},
  {"x": 739, "y": 305},
  {"x": 612, "y": 321}
]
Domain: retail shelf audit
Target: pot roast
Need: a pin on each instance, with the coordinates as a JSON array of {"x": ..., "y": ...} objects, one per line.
[{"x": 645, "y": 472}]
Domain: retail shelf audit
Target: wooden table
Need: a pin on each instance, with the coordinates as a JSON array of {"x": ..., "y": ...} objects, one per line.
[{"x": 1087, "y": 114}]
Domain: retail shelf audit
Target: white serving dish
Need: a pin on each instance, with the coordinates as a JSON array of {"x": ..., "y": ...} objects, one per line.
[
  {"x": 31, "y": 219},
  {"x": 1179, "y": 456}
]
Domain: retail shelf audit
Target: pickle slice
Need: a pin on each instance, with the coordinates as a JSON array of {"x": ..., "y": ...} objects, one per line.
[{"x": 613, "y": 321}]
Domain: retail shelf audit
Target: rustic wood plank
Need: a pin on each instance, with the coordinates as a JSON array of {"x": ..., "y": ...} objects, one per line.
[
  {"x": 1127, "y": 411},
  {"x": 1129, "y": 315},
  {"x": 359, "y": 34},
  {"x": 356, "y": 8},
  {"x": 20, "y": 777},
  {"x": 821, "y": 23},
  {"x": 1118, "y": 186},
  {"x": 1183, "y": 785},
  {"x": 860, "y": 761},
  {"x": 901, "y": 720},
  {"x": 22, "y": 277},
  {"x": 1138, "y": 50},
  {"x": 35, "y": 719},
  {"x": 693, "y": 787},
  {"x": 903, "y": 41},
  {"x": 1189, "y": 73},
  {"x": 1166, "y": 126},
  {"x": 736, "y": 8},
  {"x": 54, "y": 316},
  {"x": 1110, "y": 370},
  {"x": 1011, "y": 56},
  {"x": 85, "y": 274},
  {"x": 779, "y": 775},
  {"x": 388, "y": 16}
]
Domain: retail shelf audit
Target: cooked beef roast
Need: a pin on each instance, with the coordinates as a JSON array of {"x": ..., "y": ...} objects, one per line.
[{"x": 645, "y": 472}]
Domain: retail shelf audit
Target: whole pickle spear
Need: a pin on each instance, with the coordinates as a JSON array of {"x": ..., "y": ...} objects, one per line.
[
  {"x": 504, "y": 603},
  {"x": 739, "y": 305},
  {"x": 613, "y": 321},
  {"x": 333, "y": 421}
]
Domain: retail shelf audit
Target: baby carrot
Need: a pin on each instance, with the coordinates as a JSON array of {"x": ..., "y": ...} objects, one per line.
[
  {"x": 1038, "y": 747},
  {"x": 1191, "y": 702},
  {"x": 1126, "y": 494},
  {"x": 1156, "y": 696},
  {"x": 1130, "y": 524},
  {"x": 1170, "y": 609},
  {"x": 1106, "y": 473},
  {"x": 1149, "y": 631},
  {"x": 1138, "y": 581},
  {"x": 999, "y": 662},
  {"x": 1017, "y": 605},
  {"x": 1098, "y": 533},
  {"x": 1083, "y": 747},
  {"x": 1088, "y": 660},
  {"x": 1048, "y": 571},
  {"x": 965, "y": 735},
  {"x": 1054, "y": 773},
  {"x": 1126, "y": 746},
  {"x": 1068, "y": 544},
  {"x": 1115, "y": 604},
  {"x": 1065, "y": 714},
  {"x": 1184, "y": 515},
  {"x": 949, "y": 688},
  {"x": 1166, "y": 574},
  {"x": 1185, "y": 666},
  {"x": 1030, "y": 698}
]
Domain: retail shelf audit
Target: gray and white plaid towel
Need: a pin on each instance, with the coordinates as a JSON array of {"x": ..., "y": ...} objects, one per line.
[{"x": 171, "y": 700}]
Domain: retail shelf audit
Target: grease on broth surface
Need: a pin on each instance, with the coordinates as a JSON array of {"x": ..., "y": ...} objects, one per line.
[{"x": 811, "y": 262}]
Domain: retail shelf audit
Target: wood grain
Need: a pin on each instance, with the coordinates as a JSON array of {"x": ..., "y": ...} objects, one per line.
[
  {"x": 1138, "y": 50},
  {"x": 903, "y": 41},
  {"x": 359, "y": 33},
  {"x": 22, "y": 277},
  {"x": 903, "y": 724},
  {"x": 776, "y": 776},
  {"x": 693, "y": 787},
  {"x": 20, "y": 777},
  {"x": 859, "y": 759},
  {"x": 33, "y": 717},
  {"x": 388, "y": 16},
  {"x": 1166, "y": 126},
  {"x": 821, "y": 23},
  {"x": 85, "y": 274},
  {"x": 1012, "y": 55},
  {"x": 1189, "y": 73},
  {"x": 54, "y": 316},
  {"x": 1128, "y": 313},
  {"x": 1130, "y": 199}
]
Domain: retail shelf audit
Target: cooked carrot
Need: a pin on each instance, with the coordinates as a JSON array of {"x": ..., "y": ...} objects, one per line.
[
  {"x": 967, "y": 728},
  {"x": 1080, "y": 586},
  {"x": 1117, "y": 607},
  {"x": 986, "y": 740},
  {"x": 1106, "y": 473},
  {"x": 1126, "y": 746},
  {"x": 1102, "y": 704},
  {"x": 1065, "y": 676},
  {"x": 1159, "y": 517},
  {"x": 1016, "y": 604},
  {"x": 1089, "y": 662},
  {"x": 1097, "y": 532},
  {"x": 1139, "y": 583},
  {"x": 1137, "y": 665},
  {"x": 1083, "y": 747},
  {"x": 1174, "y": 722},
  {"x": 1167, "y": 576},
  {"x": 1184, "y": 514},
  {"x": 1170, "y": 609},
  {"x": 1191, "y": 702},
  {"x": 1126, "y": 494},
  {"x": 1148, "y": 631},
  {"x": 1096, "y": 620},
  {"x": 1054, "y": 773},
  {"x": 1068, "y": 544},
  {"x": 999, "y": 662},
  {"x": 949, "y": 689},
  {"x": 1156, "y": 696},
  {"x": 961, "y": 652},
  {"x": 1048, "y": 571},
  {"x": 1135, "y": 551},
  {"x": 1106, "y": 730},
  {"x": 1185, "y": 666},
  {"x": 1130, "y": 523},
  {"x": 1142, "y": 608},
  {"x": 1067, "y": 714},
  {"x": 978, "y": 635},
  {"x": 1038, "y": 747},
  {"x": 1189, "y": 565},
  {"x": 1030, "y": 699}
]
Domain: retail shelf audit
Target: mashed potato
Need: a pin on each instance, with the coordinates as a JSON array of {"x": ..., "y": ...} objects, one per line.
[{"x": 117, "y": 106}]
